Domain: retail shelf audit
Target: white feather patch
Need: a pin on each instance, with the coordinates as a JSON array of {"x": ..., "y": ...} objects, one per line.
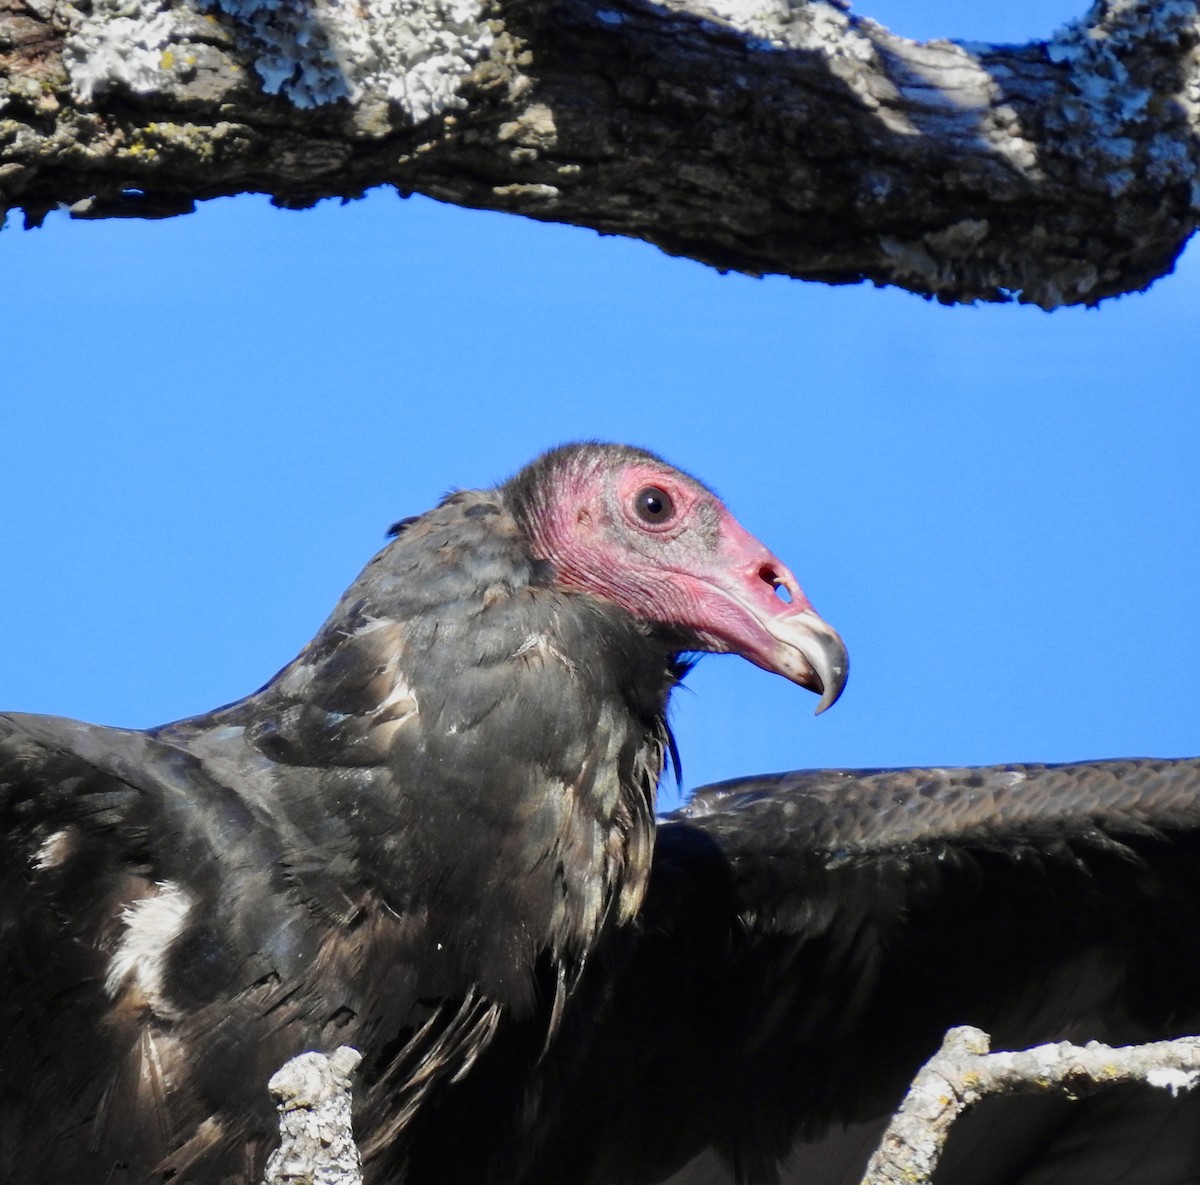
[
  {"x": 401, "y": 703},
  {"x": 54, "y": 850},
  {"x": 396, "y": 710},
  {"x": 139, "y": 963}
]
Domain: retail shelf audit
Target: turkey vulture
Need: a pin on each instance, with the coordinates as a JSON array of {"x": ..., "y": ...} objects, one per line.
[{"x": 430, "y": 836}]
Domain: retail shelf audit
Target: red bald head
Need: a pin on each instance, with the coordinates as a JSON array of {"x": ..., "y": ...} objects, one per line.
[{"x": 623, "y": 525}]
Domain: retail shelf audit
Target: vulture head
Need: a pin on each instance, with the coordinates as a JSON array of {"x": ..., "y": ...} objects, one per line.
[{"x": 622, "y": 525}]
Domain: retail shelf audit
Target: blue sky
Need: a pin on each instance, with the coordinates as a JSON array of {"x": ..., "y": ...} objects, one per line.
[{"x": 206, "y": 425}]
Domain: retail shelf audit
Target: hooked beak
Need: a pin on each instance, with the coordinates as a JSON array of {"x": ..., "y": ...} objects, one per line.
[
  {"x": 747, "y": 616},
  {"x": 811, "y": 653}
]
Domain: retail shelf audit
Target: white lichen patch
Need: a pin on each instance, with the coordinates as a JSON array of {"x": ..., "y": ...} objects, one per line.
[
  {"x": 1110, "y": 102},
  {"x": 414, "y": 54},
  {"x": 817, "y": 25},
  {"x": 1174, "y": 1080},
  {"x": 119, "y": 43},
  {"x": 410, "y": 53}
]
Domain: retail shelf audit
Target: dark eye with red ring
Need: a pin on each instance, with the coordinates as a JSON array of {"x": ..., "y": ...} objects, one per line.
[{"x": 654, "y": 506}]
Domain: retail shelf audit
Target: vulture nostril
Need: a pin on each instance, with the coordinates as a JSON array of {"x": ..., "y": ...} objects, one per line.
[{"x": 767, "y": 573}]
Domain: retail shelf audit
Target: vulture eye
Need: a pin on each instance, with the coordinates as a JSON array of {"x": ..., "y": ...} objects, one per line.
[{"x": 654, "y": 505}]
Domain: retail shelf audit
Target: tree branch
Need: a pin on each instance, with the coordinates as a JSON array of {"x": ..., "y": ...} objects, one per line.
[
  {"x": 754, "y": 135},
  {"x": 312, "y": 1092},
  {"x": 962, "y": 1073}
]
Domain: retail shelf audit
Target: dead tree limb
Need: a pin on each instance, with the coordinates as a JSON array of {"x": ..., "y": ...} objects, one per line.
[
  {"x": 963, "y": 1072},
  {"x": 313, "y": 1094},
  {"x": 754, "y": 135}
]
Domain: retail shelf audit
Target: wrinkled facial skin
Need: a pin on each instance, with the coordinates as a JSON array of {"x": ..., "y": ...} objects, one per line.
[{"x": 662, "y": 546}]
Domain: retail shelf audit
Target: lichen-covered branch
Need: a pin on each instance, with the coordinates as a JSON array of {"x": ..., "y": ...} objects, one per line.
[
  {"x": 313, "y": 1094},
  {"x": 754, "y": 135},
  {"x": 963, "y": 1072}
]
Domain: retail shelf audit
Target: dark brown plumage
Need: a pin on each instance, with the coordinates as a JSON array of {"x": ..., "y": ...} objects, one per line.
[
  {"x": 412, "y": 839},
  {"x": 431, "y": 836}
]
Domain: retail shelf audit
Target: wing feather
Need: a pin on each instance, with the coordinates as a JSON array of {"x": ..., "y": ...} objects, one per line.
[{"x": 807, "y": 938}]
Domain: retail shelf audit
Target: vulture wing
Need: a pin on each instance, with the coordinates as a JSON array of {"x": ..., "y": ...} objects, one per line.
[
  {"x": 168, "y": 941},
  {"x": 808, "y": 937},
  {"x": 121, "y": 861}
]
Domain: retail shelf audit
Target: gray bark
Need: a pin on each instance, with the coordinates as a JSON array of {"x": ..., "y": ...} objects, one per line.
[
  {"x": 313, "y": 1094},
  {"x": 754, "y": 135},
  {"x": 316, "y": 1137},
  {"x": 963, "y": 1073}
]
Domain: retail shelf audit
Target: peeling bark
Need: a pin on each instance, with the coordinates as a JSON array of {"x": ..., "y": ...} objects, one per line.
[{"x": 754, "y": 135}]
